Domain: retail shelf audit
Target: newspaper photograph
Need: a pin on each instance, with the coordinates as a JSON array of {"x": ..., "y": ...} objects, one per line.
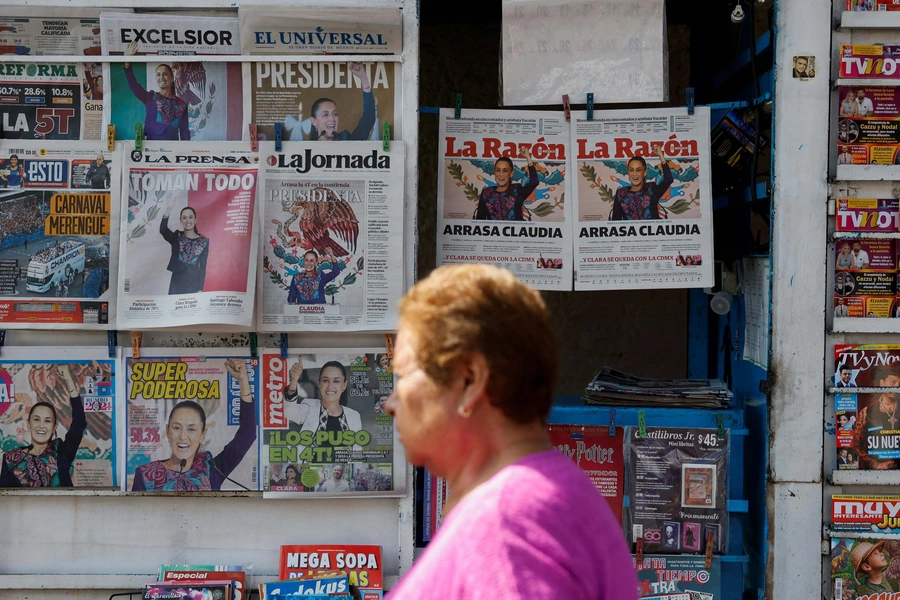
[
  {"x": 59, "y": 211},
  {"x": 322, "y": 101},
  {"x": 865, "y": 514},
  {"x": 188, "y": 243},
  {"x": 599, "y": 454},
  {"x": 643, "y": 200},
  {"x": 506, "y": 165},
  {"x": 676, "y": 479},
  {"x": 663, "y": 576},
  {"x": 58, "y": 418},
  {"x": 320, "y": 30},
  {"x": 865, "y": 569},
  {"x": 324, "y": 426},
  {"x": 332, "y": 229},
  {"x": 191, "y": 422}
]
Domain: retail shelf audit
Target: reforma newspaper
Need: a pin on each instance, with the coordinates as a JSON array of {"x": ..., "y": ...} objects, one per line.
[
  {"x": 332, "y": 230},
  {"x": 502, "y": 194},
  {"x": 59, "y": 215},
  {"x": 189, "y": 240},
  {"x": 642, "y": 201}
]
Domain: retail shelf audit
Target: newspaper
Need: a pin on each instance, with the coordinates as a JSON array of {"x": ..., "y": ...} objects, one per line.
[
  {"x": 648, "y": 170},
  {"x": 756, "y": 283},
  {"x": 861, "y": 513},
  {"x": 320, "y": 30},
  {"x": 865, "y": 278},
  {"x": 868, "y": 131},
  {"x": 484, "y": 151},
  {"x": 191, "y": 421},
  {"x": 174, "y": 279},
  {"x": 865, "y": 569},
  {"x": 169, "y": 34},
  {"x": 599, "y": 454},
  {"x": 83, "y": 428},
  {"x": 332, "y": 231},
  {"x": 322, "y": 101},
  {"x": 59, "y": 211},
  {"x": 30, "y": 31},
  {"x": 676, "y": 479},
  {"x": 324, "y": 426},
  {"x": 663, "y": 577}
]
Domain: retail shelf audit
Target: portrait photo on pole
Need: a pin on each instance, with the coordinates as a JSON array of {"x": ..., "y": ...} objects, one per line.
[
  {"x": 58, "y": 418},
  {"x": 191, "y": 422},
  {"x": 189, "y": 235},
  {"x": 324, "y": 425}
]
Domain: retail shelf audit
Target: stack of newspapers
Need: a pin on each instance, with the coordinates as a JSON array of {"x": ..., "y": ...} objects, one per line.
[{"x": 615, "y": 388}]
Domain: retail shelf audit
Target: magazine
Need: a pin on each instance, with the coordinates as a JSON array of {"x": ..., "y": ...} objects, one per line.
[
  {"x": 872, "y": 5},
  {"x": 877, "y": 215},
  {"x": 866, "y": 365},
  {"x": 164, "y": 590},
  {"x": 198, "y": 576},
  {"x": 661, "y": 576},
  {"x": 191, "y": 421},
  {"x": 66, "y": 401},
  {"x": 868, "y": 431},
  {"x": 864, "y": 569},
  {"x": 305, "y": 587},
  {"x": 59, "y": 211},
  {"x": 361, "y": 564},
  {"x": 868, "y": 514},
  {"x": 599, "y": 454},
  {"x": 865, "y": 273},
  {"x": 301, "y": 453},
  {"x": 868, "y": 131},
  {"x": 676, "y": 480}
]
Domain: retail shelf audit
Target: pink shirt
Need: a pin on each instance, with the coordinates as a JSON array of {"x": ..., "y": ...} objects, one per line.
[{"x": 537, "y": 530}]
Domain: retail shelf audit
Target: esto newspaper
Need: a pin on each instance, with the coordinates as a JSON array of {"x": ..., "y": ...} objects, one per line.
[
  {"x": 332, "y": 220},
  {"x": 506, "y": 166},
  {"x": 63, "y": 403},
  {"x": 642, "y": 200},
  {"x": 191, "y": 422},
  {"x": 58, "y": 230},
  {"x": 189, "y": 239},
  {"x": 324, "y": 427}
]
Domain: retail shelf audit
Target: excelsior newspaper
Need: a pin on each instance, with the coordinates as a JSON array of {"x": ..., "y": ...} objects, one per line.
[
  {"x": 169, "y": 34},
  {"x": 642, "y": 200},
  {"x": 322, "y": 101},
  {"x": 189, "y": 238},
  {"x": 324, "y": 425},
  {"x": 191, "y": 422},
  {"x": 332, "y": 228},
  {"x": 62, "y": 400},
  {"x": 59, "y": 211},
  {"x": 502, "y": 194}
]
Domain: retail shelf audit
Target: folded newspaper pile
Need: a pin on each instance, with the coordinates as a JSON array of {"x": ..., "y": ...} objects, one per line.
[{"x": 615, "y": 388}]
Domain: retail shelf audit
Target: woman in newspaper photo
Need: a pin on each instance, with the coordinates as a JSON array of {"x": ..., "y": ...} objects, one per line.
[
  {"x": 190, "y": 251},
  {"x": 639, "y": 201},
  {"x": 47, "y": 460},
  {"x": 331, "y": 413},
  {"x": 472, "y": 394},
  {"x": 308, "y": 286},
  {"x": 505, "y": 201},
  {"x": 167, "y": 115},
  {"x": 188, "y": 469},
  {"x": 324, "y": 121}
]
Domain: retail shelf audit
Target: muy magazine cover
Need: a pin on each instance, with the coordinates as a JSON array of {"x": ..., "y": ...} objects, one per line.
[
  {"x": 599, "y": 454},
  {"x": 659, "y": 575},
  {"x": 676, "y": 479},
  {"x": 189, "y": 239},
  {"x": 362, "y": 565},
  {"x": 324, "y": 426},
  {"x": 62, "y": 403},
  {"x": 59, "y": 209},
  {"x": 868, "y": 514},
  {"x": 865, "y": 569},
  {"x": 191, "y": 422}
]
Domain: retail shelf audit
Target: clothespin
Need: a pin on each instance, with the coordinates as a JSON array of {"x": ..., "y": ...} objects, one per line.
[
  {"x": 389, "y": 344},
  {"x": 639, "y": 551},
  {"x": 458, "y": 112},
  {"x": 612, "y": 422},
  {"x": 689, "y": 97},
  {"x": 720, "y": 426},
  {"x": 710, "y": 542},
  {"x": 279, "y": 134},
  {"x": 2, "y": 337},
  {"x": 112, "y": 340},
  {"x": 110, "y": 137},
  {"x": 567, "y": 108},
  {"x": 386, "y": 136},
  {"x": 642, "y": 424},
  {"x": 139, "y": 136},
  {"x": 136, "y": 344},
  {"x": 590, "y": 107},
  {"x": 254, "y": 344},
  {"x": 254, "y": 138},
  {"x": 284, "y": 345}
]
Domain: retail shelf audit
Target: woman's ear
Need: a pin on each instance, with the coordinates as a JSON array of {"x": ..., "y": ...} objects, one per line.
[{"x": 475, "y": 373}]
